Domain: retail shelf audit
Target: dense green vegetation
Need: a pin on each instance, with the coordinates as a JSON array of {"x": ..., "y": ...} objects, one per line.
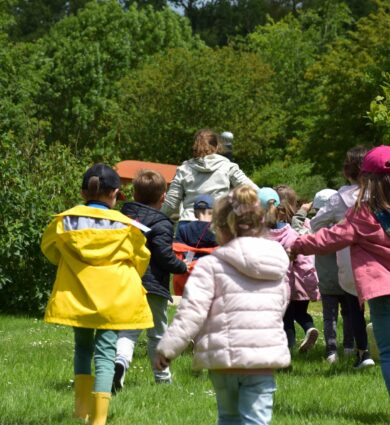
[{"x": 298, "y": 84}]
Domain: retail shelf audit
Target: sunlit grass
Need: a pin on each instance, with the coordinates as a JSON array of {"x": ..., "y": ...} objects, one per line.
[{"x": 36, "y": 385}]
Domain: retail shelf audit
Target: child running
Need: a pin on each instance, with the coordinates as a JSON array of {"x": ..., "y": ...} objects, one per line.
[
  {"x": 301, "y": 277},
  {"x": 149, "y": 194},
  {"x": 233, "y": 306},
  {"x": 100, "y": 256},
  {"x": 366, "y": 229}
]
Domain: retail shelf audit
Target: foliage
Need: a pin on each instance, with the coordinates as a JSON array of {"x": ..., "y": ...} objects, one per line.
[
  {"x": 86, "y": 54},
  {"x": 297, "y": 175},
  {"x": 345, "y": 81},
  {"x": 220, "y": 89},
  {"x": 36, "y": 182}
]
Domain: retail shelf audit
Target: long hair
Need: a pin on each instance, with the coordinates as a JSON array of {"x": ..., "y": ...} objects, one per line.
[
  {"x": 206, "y": 142},
  {"x": 374, "y": 191},
  {"x": 353, "y": 161},
  {"x": 239, "y": 213},
  {"x": 288, "y": 202}
]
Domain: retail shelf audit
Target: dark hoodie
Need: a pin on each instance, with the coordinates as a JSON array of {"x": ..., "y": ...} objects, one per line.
[{"x": 163, "y": 261}]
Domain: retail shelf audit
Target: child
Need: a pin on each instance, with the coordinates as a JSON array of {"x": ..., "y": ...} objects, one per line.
[
  {"x": 233, "y": 305},
  {"x": 100, "y": 256},
  {"x": 149, "y": 194},
  {"x": 331, "y": 213},
  {"x": 366, "y": 229},
  {"x": 197, "y": 233},
  {"x": 302, "y": 276},
  {"x": 332, "y": 295}
]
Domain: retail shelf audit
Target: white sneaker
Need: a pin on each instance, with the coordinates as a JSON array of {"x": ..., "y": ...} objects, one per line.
[
  {"x": 332, "y": 358},
  {"x": 309, "y": 341}
]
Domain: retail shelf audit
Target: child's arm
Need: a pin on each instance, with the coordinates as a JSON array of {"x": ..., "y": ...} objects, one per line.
[
  {"x": 175, "y": 195},
  {"x": 325, "y": 241},
  {"x": 192, "y": 311},
  {"x": 326, "y": 215},
  {"x": 160, "y": 244},
  {"x": 48, "y": 243}
]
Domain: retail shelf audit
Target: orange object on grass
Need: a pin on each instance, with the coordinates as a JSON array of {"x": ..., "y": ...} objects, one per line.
[{"x": 181, "y": 249}]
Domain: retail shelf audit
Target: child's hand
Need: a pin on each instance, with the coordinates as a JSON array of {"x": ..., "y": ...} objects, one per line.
[
  {"x": 161, "y": 362},
  {"x": 292, "y": 255},
  {"x": 307, "y": 207}
]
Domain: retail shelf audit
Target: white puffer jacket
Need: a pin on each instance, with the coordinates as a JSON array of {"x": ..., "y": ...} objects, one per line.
[{"x": 233, "y": 307}]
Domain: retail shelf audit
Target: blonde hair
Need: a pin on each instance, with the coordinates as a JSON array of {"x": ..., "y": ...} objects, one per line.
[
  {"x": 239, "y": 213},
  {"x": 206, "y": 142},
  {"x": 374, "y": 191},
  {"x": 271, "y": 216},
  {"x": 288, "y": 202}
]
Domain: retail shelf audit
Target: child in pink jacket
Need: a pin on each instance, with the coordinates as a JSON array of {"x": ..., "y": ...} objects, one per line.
[
  {"x": 233, "y": 306},
  {"x": 366, "y": 229},
  {"x": 301, "y": 276}
]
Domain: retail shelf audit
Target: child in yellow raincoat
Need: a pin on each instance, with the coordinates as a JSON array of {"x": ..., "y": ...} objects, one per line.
[{"x": 100, "y": 254}]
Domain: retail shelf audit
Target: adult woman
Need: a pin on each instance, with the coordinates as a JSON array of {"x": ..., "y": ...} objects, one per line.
[{"x": 207, "y": 172}]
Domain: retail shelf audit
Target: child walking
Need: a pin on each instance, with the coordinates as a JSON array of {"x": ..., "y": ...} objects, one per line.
[
  {"x": 100, "y": 256},
  {"x": 233, "y": 306},
  {"x": 332, "y": 295},
  {"x": 331, "y": 213},
  {"x": 366, "y": 230},
  {"x": 149, "y": 194},
  {"x": 301, "y": 277}
]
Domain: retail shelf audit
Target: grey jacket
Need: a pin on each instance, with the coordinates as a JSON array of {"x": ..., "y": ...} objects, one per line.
[{"x": 213, "y": 174}]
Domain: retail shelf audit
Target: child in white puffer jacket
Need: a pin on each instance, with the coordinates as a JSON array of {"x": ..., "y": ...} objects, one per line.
[{"x": 233, "y": 307}]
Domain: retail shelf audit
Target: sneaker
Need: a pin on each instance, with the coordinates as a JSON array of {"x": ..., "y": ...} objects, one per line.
[
  {"x": 309, "y": 341},
  {"x": 349, "y": 352},
  {"x": 119, "y": 378},
  {"x": 363, "y": 360},
  {"x": 332, "y": 358}
]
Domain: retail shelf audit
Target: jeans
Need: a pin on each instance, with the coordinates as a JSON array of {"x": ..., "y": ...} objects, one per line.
[
  {"x": 330, "y": 312},
  {"x": 128, "y": 338},
  {"x": 380, "y": 317},
  {"x": 243, "y": 399},
  {"x": 100, "y": 345}
]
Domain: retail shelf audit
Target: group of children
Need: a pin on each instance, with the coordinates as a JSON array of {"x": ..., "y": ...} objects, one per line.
[{"x": 240, "y": 302}]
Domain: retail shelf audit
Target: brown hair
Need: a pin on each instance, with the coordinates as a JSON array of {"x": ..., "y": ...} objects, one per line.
[
  {"x": 353, "y": 161},
  {"x": 239, "y": 213},
  {"x": 271, "y": 216},
  {"x": 149, "y": 186},
  {"x": 288, "y": 202},
  {"x": 374, "y": 191},
  {"x": 94, "y": 190},
  {"x": 206, "y": 142}
]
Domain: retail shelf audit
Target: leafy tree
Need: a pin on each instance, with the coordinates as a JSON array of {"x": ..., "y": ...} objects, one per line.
[
  {"x": 159, "y": 112},
  {"x": 345, "y": 81},
  {"x": 86, "y": 54}
]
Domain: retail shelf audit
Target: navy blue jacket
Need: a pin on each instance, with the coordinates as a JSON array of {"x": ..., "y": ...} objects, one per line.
[
  {"x": 163, "y": 260},
  {"x": 196, "y": 234}
]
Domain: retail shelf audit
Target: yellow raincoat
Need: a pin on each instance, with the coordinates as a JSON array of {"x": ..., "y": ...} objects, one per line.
[{"x": 98, "y": 283}]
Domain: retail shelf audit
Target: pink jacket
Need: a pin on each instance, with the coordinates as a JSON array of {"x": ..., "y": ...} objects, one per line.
[
  {"x": 301, "y": 276},
  {"x": 233, "y": 306},
  {"x": 370, "y": 250}
]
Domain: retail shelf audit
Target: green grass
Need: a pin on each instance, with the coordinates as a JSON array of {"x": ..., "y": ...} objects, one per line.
[{"x": 36, "y": 385}]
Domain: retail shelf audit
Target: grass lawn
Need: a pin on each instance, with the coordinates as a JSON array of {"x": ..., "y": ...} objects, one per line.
[{"x": 36, "y": 385}]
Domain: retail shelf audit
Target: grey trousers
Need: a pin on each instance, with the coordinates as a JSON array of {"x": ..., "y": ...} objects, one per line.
[{"x": 330, "y": 313}]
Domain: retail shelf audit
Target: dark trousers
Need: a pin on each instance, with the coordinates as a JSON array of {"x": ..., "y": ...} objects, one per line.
[
  {"x": 358, "y": 322},
  {"x": 296, "y": 312},
  {"x": 330, "y": 313}
]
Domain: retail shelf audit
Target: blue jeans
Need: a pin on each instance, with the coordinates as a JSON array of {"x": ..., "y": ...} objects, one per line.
[
  {"x": 101, "y": 345},
  {"x": 380, "y": 317},
  {"x": 243, "y": 399},
  {"x": 128, "y": 338}
]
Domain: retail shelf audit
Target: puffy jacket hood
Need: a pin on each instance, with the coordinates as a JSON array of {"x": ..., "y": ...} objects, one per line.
[
  {"x": 207, "y": 164},
  {"x": 349, "y": 194},
  {"x": 243, "y": 254},
  {"x": 144, "y": 214}
]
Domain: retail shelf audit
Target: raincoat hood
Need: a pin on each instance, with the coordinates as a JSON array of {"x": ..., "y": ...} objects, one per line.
[
  {"x": 243, "y": 254},
  {"x": 349, "y": 194}
]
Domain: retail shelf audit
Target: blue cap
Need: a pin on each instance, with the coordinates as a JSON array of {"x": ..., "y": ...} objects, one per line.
[
  {"x": 266, "y": 194},
  {"x": 203, "y": 202}
]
